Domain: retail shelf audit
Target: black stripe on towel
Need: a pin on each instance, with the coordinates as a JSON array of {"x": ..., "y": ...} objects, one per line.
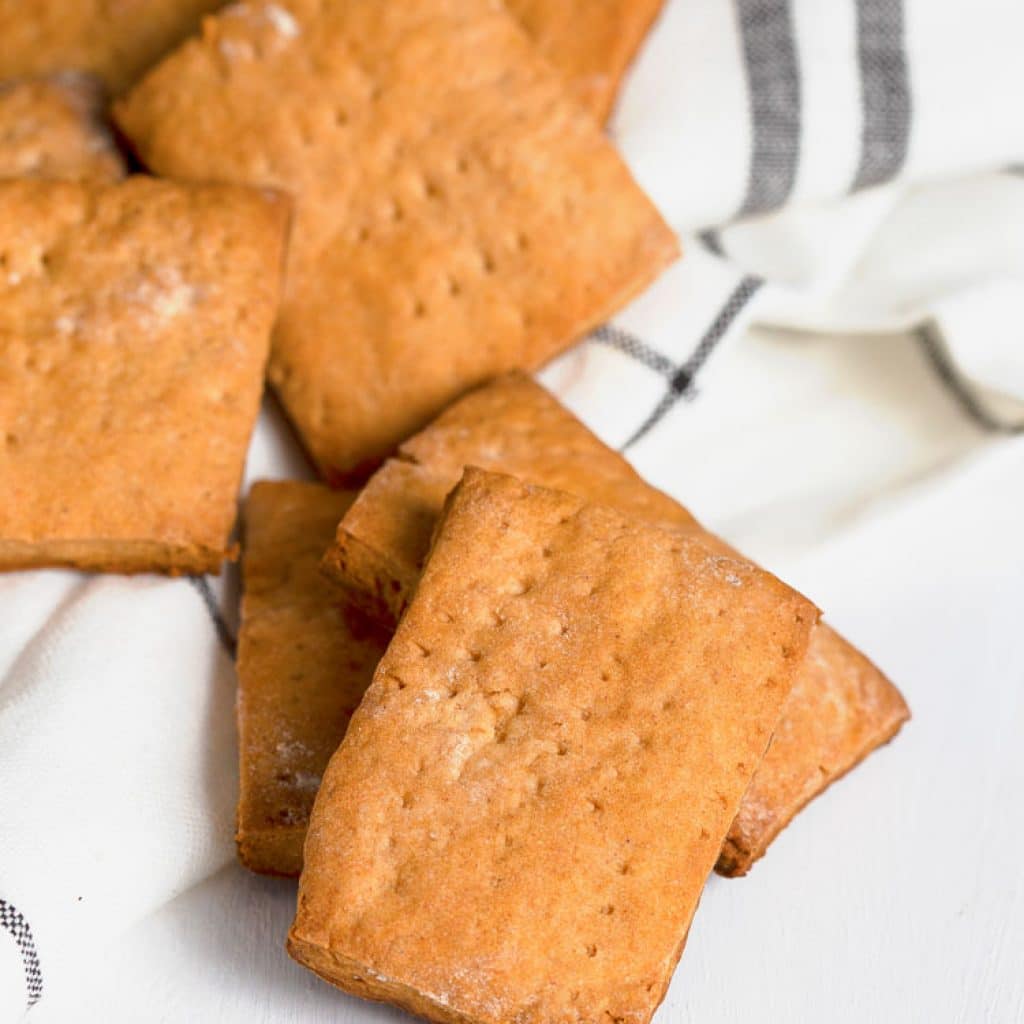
[
  {"x": 712, "y": 241},
  {"x": 13, "y": 922},
  {"x": 681, "y": 381},
  {"x": 773, "y": 85},
  {"x": 632, "y": 346},
  {"x": 202, "y": 586},
  {"x": 945, "y": 368},
  {"x": 885, "y": 91}
]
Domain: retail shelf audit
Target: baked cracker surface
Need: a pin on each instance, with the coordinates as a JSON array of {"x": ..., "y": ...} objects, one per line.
[
  {"x": 305, "y": 659},
  {"x": 52, "y": 127},
  {"x": 841, "y": 708},
  {"x": 457, "y": 213},
  {"x": 591, "y": 42},
  {"x": 134, "y": 329},
  {"x": 529, "y": 799},
  {"x": 113, "y": 39}
]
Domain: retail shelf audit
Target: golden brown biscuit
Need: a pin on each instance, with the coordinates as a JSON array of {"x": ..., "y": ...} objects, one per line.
[
  {"x": 52, "y": 128},
  {"x": 841, "y": 707},
  {"x": 114, "y": 39},
  {"x": 591, "y": 42},
  {"x": 537, "y": 783},
  {"x": 457, "y": 214},
  {"x": 511, "y": 425},
  {"x": 304, "y": 660},
  {"x": 134, "y": 326}
]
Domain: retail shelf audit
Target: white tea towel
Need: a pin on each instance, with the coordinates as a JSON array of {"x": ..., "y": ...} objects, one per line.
[
  {"x": 116, "y": 760},
  {"x": 846, "y": 165}
]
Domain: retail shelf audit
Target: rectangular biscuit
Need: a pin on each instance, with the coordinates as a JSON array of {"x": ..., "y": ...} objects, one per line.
[
  {"x": 841, "y": 707},
  {"x": 511, "y": 425},
  {"x": 304, "y": 660},
  {"x": 116, "y": 41},
  {"x": 591, "y": 43},
  {"x": 457, "y": 214},
  {"x": 52, "y": 127},
  {"x": 135, "y": 323},
  {"x": 537, "y": 783}
]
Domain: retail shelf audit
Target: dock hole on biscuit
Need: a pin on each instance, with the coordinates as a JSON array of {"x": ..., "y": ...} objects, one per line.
[{"x": 400, "y": 683}]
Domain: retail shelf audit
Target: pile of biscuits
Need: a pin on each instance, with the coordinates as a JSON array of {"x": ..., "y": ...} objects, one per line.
[{"x": 502, "y": 704}]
